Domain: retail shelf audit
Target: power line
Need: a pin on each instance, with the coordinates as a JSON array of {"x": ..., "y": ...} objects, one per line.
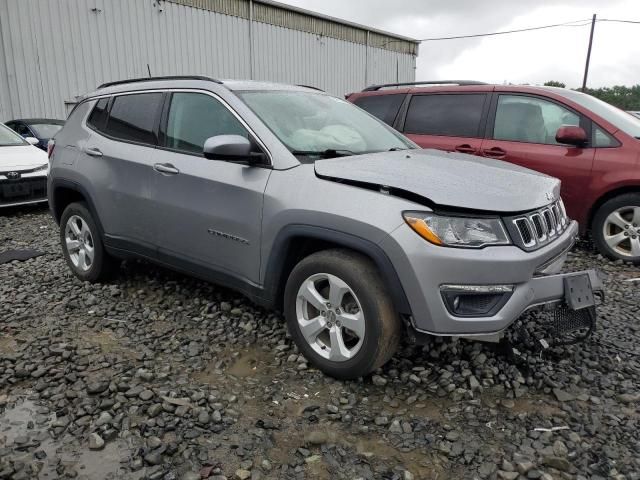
[{"x": 575, "y": 23}]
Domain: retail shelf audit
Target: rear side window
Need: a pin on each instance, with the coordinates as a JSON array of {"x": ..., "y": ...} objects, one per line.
[
  {"x": 385, "y": 107},
  {"x": 195, "y": 117},
  {"x": 444, "y": 114},
  {"x": 98, "y": 117},
  {"x": 133, "y": 117}
]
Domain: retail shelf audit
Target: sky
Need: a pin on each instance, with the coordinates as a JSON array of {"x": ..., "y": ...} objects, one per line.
[{"x": 530, "y": 57}]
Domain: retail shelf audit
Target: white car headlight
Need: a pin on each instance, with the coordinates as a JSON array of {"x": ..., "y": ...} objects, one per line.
[{"x": 453, "y": 231}]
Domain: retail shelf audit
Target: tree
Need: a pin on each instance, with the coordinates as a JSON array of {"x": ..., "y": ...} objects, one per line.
[
  {"x": 554, "y": 83},
  {"x": 626, "y": 98}
]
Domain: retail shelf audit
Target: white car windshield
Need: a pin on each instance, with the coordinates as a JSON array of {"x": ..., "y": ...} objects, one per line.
[
  {"x": 621, "y": 119},
  {"x": 315, "y": 123},
  {"x": 9, "y": 138}
]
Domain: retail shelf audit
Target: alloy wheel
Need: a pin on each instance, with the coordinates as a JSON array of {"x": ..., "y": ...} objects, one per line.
[
  {"x": 79, "y": 243},
  {"x": 622, "y": 231},
  {"x": 330, "y": 317}
]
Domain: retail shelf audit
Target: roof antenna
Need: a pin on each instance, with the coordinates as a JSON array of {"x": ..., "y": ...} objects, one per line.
[{"x": 149, "y": 70}]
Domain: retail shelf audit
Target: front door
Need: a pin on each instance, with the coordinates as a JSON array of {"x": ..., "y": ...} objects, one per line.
[
  {"x": 209, "y": 212},
  {"x": 524, "y": 132}
]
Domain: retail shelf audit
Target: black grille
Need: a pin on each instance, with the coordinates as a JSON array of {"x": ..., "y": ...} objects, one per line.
[
  {"x": 537, "y": 223},
  {"x": 525, "y": 231},
  {"x": 23, "y": 190}
]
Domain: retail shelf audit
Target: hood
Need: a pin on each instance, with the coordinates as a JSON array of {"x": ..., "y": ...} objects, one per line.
[
  {"x": 448, "y": 179},
  {"x": 21, "y": 157}
]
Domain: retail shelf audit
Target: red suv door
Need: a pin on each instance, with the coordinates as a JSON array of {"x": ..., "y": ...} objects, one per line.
[
  {"x": 522, "y": 130},
  {"x": 447, "y": 121}
]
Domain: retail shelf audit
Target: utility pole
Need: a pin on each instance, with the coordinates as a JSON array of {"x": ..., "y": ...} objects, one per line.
[{"x": 586, "y": 66}]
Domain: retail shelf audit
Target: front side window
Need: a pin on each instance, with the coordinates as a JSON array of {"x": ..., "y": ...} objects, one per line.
[
  {"x": 313, "y": 124},
  {"x": 529, "y": 119},
  {"x": 195, "y": 117},
  {"x": 133, "y": 117},
  {"x": 9, "y": 138},
  {"x": 453, "y": 115},
  {"x": 384, "y": 107}
]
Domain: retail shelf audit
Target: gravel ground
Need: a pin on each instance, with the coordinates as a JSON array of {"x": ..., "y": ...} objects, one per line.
[{"x": 160, "y": 376}]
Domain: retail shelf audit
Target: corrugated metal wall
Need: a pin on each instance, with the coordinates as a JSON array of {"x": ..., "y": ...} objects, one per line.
[{"x": 70, "y": 46}]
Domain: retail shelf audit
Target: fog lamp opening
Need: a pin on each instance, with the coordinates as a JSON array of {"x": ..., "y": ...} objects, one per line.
[{"x": 475, "y": 300}]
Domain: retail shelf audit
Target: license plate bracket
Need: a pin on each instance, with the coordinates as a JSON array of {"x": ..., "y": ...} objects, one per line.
[
  {"x": 16, "y": 190},
  {"x": 578, "y": 292}
]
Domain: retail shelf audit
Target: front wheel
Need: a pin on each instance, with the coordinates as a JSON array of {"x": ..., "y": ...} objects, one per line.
[
  {"x": 340, "y": 315},
  {"x": 616, "y": 228}
]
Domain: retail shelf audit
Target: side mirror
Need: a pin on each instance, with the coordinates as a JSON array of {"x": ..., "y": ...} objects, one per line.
[
  {"x": 32, "y": 140},
  {"x": 231, "y": 148},
  {"x": 572, "y": 135}
]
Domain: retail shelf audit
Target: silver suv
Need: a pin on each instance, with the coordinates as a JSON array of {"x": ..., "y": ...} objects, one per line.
[{"x": 304, "y": 202}]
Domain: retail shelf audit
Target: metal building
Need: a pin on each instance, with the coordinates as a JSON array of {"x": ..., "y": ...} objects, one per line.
[{"x": 52, "y": 51}]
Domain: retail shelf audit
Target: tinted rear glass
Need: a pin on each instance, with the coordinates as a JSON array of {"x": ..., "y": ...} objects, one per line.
[
  {"x": 448, "y": 115},
  {"x": 385, "y": 107},
  {"x": 45, "y": 130},
  {"x": 133, "y": 117},
  {"x": 98, "y": 117}
]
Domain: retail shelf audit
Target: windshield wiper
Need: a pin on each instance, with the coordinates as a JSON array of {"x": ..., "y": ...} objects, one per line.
[{"x": 328, "y": 153}]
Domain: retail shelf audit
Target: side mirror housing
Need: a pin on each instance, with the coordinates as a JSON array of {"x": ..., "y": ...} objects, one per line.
[
  {"x": 231, "y": 148},
  {"x": 572, "y": 135},
  {"x": 32, "y": 140}
]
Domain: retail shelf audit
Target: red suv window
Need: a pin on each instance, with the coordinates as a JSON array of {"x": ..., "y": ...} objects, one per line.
[{"x": 455, "y": 115}]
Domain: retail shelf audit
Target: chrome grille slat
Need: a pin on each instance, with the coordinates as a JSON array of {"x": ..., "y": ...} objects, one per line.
[{"x": 539, "y": 227}]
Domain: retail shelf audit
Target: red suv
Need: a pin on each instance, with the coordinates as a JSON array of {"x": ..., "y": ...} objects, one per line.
[{"x": 593, "y": 147}]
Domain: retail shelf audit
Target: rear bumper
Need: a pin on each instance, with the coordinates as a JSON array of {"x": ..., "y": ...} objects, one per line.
[{"x": 424, "y": 269}]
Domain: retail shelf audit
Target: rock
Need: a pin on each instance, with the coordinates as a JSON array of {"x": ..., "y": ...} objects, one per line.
[
  {"x": 316, "y": 437},
  {"x": 486, "y": 469},
  {"x": 243, "y": 474},
  {"x": 523, "y": 466},
  {"x": 153, "y": 458},
  {"x": 378, "y": 381},
  {"x": 154, "y": 410},
  {"x": 560, "y": 449},
  {"x": 105, "y": 418},
  {"x": 563, "y": 396},
  {"x": 395, "y": 427},
  {"x": 558, "y": 463},
  {"x": 95, "y": 442},
  {"x": 94, "y": 388},
  {"x": 507, "y": 475},
  {"x": 629, "y": 397}
]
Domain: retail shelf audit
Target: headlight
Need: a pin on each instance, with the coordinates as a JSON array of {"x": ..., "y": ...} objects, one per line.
[
  {"x": 452, "y": 231},
  {"x": 43, "y": 167}
]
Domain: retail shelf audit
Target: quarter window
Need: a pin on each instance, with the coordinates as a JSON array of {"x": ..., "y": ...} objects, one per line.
[
  {"x": 443, "y": 114},
  {"x": 531, "y": 120},
  {"x": 384, "y": 107},
  {"x": 98, "y": 117},
  {"x": 195, "y": 117},
  {"x": 133, "y": 117},
  {"x": 602, "y": 138}
]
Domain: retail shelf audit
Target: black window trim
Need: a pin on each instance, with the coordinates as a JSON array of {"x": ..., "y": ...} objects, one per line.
[
  {"x": 585, "y": 122},
  {"x": 402, "y": 124}
]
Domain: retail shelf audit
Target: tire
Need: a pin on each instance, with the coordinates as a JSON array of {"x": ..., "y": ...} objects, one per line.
[
  {"x": 362, "y": 302},
  {"x": 97, "y": 265},
  {"x": 616, "y": 228}
]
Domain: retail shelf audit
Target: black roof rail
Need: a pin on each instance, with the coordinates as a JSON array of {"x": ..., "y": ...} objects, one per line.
[
  {"x": 152, "y": 79},
  {"x": 374, "y": 88},
  {"x": 309, "y": 86}
]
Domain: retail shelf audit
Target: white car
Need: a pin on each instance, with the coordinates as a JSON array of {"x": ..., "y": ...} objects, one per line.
[{"x": 23, "y": 169}]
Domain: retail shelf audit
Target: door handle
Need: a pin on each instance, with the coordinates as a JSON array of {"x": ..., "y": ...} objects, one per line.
[
  {"x": 166, "y": 169},
  {"x": 495, "y": 152},
  {"x": 93, "y": 152},
  {"x": 465, "y": 148}
]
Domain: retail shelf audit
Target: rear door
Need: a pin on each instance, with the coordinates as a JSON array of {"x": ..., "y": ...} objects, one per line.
[
  {"x": 447, "y": 121},
  {"x": 522, "y": 130},
  {"x": 209, "y": 211},
  {"x": 118, "y": 157},
  {"x": 385, "y": 106}
]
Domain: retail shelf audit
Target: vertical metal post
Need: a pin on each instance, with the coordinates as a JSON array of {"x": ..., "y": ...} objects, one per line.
[
  {"x": 251, "y": 39},
  {"x": 586, "y": 66}
]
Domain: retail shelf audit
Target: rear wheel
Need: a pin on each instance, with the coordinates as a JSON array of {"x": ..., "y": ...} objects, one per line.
[
  {"x": 82, "y": 246},
  {"x": 340, "y": 314},
  {"x": 616, "y": 228}
]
